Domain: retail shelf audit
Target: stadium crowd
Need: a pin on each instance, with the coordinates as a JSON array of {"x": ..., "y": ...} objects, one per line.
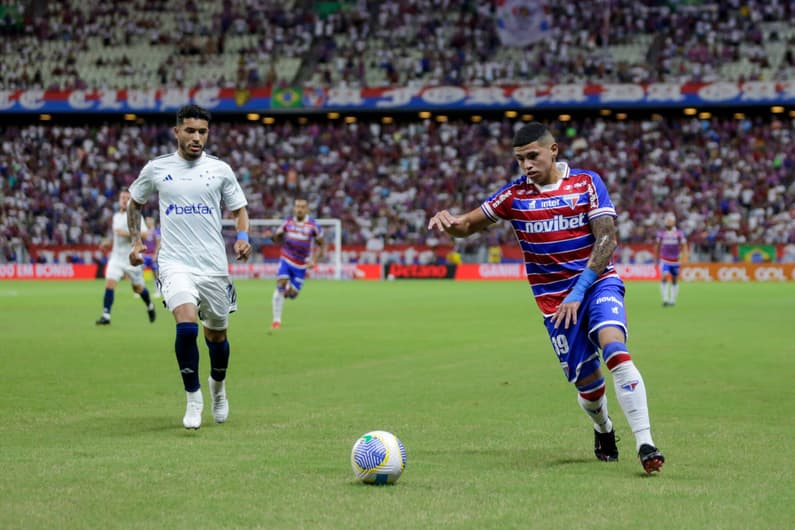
[
  {"x": 729, "y": 180},
  {"x": 247, "y": 43}
]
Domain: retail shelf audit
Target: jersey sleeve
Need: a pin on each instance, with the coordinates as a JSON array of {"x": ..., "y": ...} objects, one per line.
[
  {"x": 318, "y": 230},
  {"x": 599, "y": 202},
  {"x": 498, "y": 205},
  {"x": 144, "y": 186},
  {"x": 233, "y": 195}
]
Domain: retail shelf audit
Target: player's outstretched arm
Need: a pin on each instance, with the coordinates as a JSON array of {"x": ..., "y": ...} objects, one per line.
[
  {"x": 134, "y": 228},
  {"x": 242, "y": 246},
  {"x": 459, "y": 225}
]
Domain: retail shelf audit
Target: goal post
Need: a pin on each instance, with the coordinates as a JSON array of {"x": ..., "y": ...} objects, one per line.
[{"x": 260, "y": 235}]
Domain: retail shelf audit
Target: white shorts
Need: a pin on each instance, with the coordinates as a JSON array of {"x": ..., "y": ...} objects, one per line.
[
  {"x": 215, "y": 296},
  {"x": 117, "y": 268}
]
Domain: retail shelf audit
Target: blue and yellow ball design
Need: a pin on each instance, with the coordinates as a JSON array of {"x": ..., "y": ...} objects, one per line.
[{"x": 378, "y": 457}]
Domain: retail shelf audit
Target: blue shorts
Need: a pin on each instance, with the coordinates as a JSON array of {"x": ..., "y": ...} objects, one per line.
[
  {"x": 577, "y": 348},
  {"x": 150, "y": 262},
  {"x": 669, "y": 268},
  {"x": 294, "y": 274}
]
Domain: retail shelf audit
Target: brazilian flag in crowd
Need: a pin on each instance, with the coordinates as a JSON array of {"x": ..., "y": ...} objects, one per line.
[
  {"x": 286, "y": 98},
  {"x": 756, "y": 253}
]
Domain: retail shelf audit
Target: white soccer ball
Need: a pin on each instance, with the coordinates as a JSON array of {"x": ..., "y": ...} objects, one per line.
[{"x": 378, "y": 457}]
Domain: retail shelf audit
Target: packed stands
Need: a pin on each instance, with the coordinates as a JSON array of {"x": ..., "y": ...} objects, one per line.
[
  {"x": 729, "y": 180},
  {"x": 246, "y": 43}
]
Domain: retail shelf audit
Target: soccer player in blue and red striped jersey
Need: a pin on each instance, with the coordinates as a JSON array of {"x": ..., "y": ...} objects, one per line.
[
  {"x": 564, "y": 221},
  {"x": 671, "y": 250},
  {"x": 302, "y": 247}
]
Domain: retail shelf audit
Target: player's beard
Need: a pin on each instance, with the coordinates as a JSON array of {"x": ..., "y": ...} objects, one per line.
[{"x": 187, "y": 153}]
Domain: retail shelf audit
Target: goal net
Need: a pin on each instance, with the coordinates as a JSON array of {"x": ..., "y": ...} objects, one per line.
[{"x": 264, "y": 261}]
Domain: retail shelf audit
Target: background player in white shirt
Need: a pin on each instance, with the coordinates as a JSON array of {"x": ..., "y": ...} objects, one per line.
[
  {"x": 119, "y": 264},
  {"x": 193, "y": 269}
]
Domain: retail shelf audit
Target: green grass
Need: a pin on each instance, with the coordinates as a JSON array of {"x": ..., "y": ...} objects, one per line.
[{"x": 91, "y": 433}]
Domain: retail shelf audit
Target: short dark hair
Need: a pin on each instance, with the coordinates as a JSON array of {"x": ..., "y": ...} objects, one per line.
[
  {"x": 532, "y": 132},
  {"x": 192, "y": 111}
]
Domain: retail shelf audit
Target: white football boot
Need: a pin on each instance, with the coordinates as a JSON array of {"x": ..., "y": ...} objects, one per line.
[
  {"x": 220, "y": 404},
  {"x": 193, "y": 410}
]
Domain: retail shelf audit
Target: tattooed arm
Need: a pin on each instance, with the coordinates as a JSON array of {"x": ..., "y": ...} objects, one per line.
[
  {"x": 134, "y": 227},
  {"x": 604, "y": 233}
]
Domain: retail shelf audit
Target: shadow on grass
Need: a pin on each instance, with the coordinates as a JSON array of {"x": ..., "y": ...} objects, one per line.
[{"x": 131, "y": 426}]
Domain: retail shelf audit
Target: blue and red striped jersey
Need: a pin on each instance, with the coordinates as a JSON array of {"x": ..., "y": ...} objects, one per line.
[
  {"x": 552, "y": 226},
  {"x": 670, "y": 242},
  {"x": 298, "y": 238}
]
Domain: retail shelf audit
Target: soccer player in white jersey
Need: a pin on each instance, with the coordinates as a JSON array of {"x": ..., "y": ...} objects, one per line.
[
  {"x": 564, "y": 222},
  {"x": 119, "y": 264},
  {"x": 193, "y": 268}
]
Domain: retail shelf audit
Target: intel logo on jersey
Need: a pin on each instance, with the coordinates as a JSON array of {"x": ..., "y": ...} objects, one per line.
[
  {"x": 555, "y": 224},
  {"x": 190, "y": 209}
]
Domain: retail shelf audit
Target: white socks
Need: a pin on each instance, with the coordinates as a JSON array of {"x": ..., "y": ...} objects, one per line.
[
  {"x": 278, "y": 305},
  {"x": 597, "y": 411},
  {"x": 669, "y": 291},
  {"x": 631, "y": 395}
]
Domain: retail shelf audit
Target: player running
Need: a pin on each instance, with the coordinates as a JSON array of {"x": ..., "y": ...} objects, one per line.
[
  {"x": 671, "y": 250},
  {"x": 297, "y": 234},
  {"x": 564, "y": 221},
  {"x": 119, "y": 265},
  {"x": 193, "y": 268}
]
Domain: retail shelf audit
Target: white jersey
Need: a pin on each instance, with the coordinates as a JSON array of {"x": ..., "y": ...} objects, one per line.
[
  {"x": 190, "y": 194},
  {"x": 122, "y": 245}
]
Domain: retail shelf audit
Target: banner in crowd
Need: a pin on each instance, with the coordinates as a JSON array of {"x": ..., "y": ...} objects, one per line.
[
  {"x": 756, "y": 253},
  {"x": 49, "y": 271},
  {"x": 690, "y": 272},
  {"x": 522, "y": 22},
  {"x": 444, "y": 98},
  {"x": 422, "y": 254}
]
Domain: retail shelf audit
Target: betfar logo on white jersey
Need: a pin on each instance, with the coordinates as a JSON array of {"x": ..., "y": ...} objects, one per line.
[
  {"x": 189, "y": 209},
  {"x": 557, "y": 223}
]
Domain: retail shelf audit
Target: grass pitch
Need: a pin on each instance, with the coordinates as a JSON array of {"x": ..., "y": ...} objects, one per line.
[{"x": 463, "y": 373}]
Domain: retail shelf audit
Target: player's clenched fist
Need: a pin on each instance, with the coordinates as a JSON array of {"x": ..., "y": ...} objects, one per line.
[
  {"x": 135, "y": 254},
  {"x": 242, "y": 249}
]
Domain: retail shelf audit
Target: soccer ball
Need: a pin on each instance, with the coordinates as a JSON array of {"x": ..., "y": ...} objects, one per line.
[{"x": 378, "y": 457}]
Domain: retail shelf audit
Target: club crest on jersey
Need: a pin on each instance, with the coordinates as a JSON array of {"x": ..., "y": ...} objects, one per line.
[
  {"x": 630, "y": 387},
  {"x": 572, "y": 200}
]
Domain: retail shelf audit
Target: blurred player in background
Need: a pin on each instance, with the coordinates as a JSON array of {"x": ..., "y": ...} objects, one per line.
[
  {"x": 119, "y": 265},
  {"x": 152, "y": 244},
  {"x": 192, "y": 262},
  {"x": 565, "y": 223},
  {"x": 297, "y": 235},
  {"x": 670, "y": 252}
]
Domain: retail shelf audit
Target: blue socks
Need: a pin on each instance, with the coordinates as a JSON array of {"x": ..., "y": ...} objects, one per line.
[
  {"x": 107, "y": 302},
  {"x": 188, "y": 354},
  {"x": 145, "y": 297},
  {"x": 219, "y": 358}
]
